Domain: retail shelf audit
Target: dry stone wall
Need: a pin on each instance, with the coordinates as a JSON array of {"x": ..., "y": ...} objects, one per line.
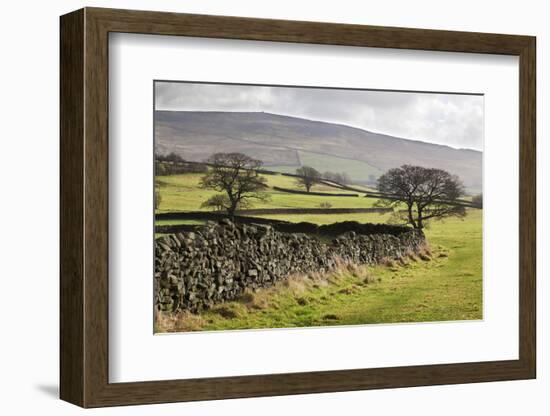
[{"x": 218, "y": 262}]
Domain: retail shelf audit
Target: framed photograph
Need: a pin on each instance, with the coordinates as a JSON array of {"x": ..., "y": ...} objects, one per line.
[{"x": 256, "y": 207}]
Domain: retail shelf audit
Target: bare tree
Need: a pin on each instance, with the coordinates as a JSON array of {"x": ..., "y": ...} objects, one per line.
[
  {"x": 173, "y": 157},
  {"x": 307, "y": 177},
  {"x": 236, "y": 175},
  {"x": 330, "y": 176},
  {"x": 427, "y": 193},
  {"x": 345, "y": 178}
]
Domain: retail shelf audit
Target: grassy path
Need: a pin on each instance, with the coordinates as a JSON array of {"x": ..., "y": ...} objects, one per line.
[{"x": 446, "y": 287}]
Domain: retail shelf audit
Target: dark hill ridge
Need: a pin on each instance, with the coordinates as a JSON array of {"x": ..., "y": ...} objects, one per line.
[{"x": 283, "y": 141}]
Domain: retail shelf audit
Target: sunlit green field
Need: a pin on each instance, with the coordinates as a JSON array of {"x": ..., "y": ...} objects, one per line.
[
  {"x": 182, "y": 193},
  {"x": 445, "y": 285},
  {"x": 319, "y": 219},
  {"x": 330, "y": 218},
  {"x": 358, "y": 170},
  {"x": 290, "y": 182}
]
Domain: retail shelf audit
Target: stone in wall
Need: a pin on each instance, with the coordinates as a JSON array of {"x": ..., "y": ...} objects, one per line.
[{"x": 218, "y": 262}]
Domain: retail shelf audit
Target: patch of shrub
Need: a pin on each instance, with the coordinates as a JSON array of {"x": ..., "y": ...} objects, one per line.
[
  {"x": 178, "y": 322},
  {"x": 423, "y": 256}
]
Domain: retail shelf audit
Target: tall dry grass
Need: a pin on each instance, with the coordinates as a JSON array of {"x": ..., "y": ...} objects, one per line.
[{"x": 296, "y": 285}]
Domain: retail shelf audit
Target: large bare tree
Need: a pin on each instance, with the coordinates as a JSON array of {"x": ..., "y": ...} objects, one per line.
[
  {"x": 236, "y": 175},
  {"x": 307, "y": 177},
  {"x": 426, "y": 193}
]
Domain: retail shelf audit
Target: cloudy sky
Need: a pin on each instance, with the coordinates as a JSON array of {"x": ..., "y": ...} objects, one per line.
[{"x": 450, "y": 119}]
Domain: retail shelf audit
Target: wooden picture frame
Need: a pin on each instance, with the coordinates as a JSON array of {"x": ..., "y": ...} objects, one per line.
[{"x": 84, "y": 207}]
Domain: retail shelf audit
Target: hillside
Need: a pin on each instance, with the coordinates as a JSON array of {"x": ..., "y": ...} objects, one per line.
[{"x": 284, "y": 143}]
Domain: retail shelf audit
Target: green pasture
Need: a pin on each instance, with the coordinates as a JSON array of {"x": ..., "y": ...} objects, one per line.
[
  {"x": 445, "y": 286},
  {"x": 356, "y": 169},
  {"x": 179, "y": 222},
  {"x": 290, "y": 182},
  {"x": 182, "y": 193},
  {"x": 322, "y": 219}
]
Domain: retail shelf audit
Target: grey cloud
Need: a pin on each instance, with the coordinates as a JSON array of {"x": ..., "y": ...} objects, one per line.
[{"x": 450, "y": 119}]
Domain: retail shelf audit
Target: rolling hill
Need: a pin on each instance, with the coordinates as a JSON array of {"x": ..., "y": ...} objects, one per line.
[{"x": 285, "y": 143}]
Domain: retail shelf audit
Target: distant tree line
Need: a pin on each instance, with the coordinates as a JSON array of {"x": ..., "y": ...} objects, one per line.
[
  {"x": 308, "y": 177},
  {"x": 342, "y": 177},
  {"x": 170, "y": 157},
  {"x": 426, "y": 193},
  {"x": 174, "y": 164}
]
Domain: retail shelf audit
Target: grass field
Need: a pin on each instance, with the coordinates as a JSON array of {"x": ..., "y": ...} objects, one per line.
[
  {"x": 445, "y": 286},
  {"x": 182, "y": 193},
  {"x": 319, "y": 219},
  {"x": 290, "y": 182},
  {"x": 358, "y": 170},
  {"x": 330, "y": 218}
]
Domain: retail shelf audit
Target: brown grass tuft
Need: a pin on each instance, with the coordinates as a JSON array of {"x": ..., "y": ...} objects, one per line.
[
  {"x": 178, "y": 322},
  {"x": 425, "y": 253},
  {"x": 423, "y": 256},
  {"x": 427, "y": 250},
  {"x": 387, "y": 262},
  {"x": 225, "y": 311},
  {"x": 247, "y": 297},
  {"x": 257, "y": 301},
  {"x": 349, "y": 290},
  {"x": 369, "y": 279},
  {"x": 297, "y": 285},
  {"x": 403, "y": 261},
  {"x": 410, "y": 255}
]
